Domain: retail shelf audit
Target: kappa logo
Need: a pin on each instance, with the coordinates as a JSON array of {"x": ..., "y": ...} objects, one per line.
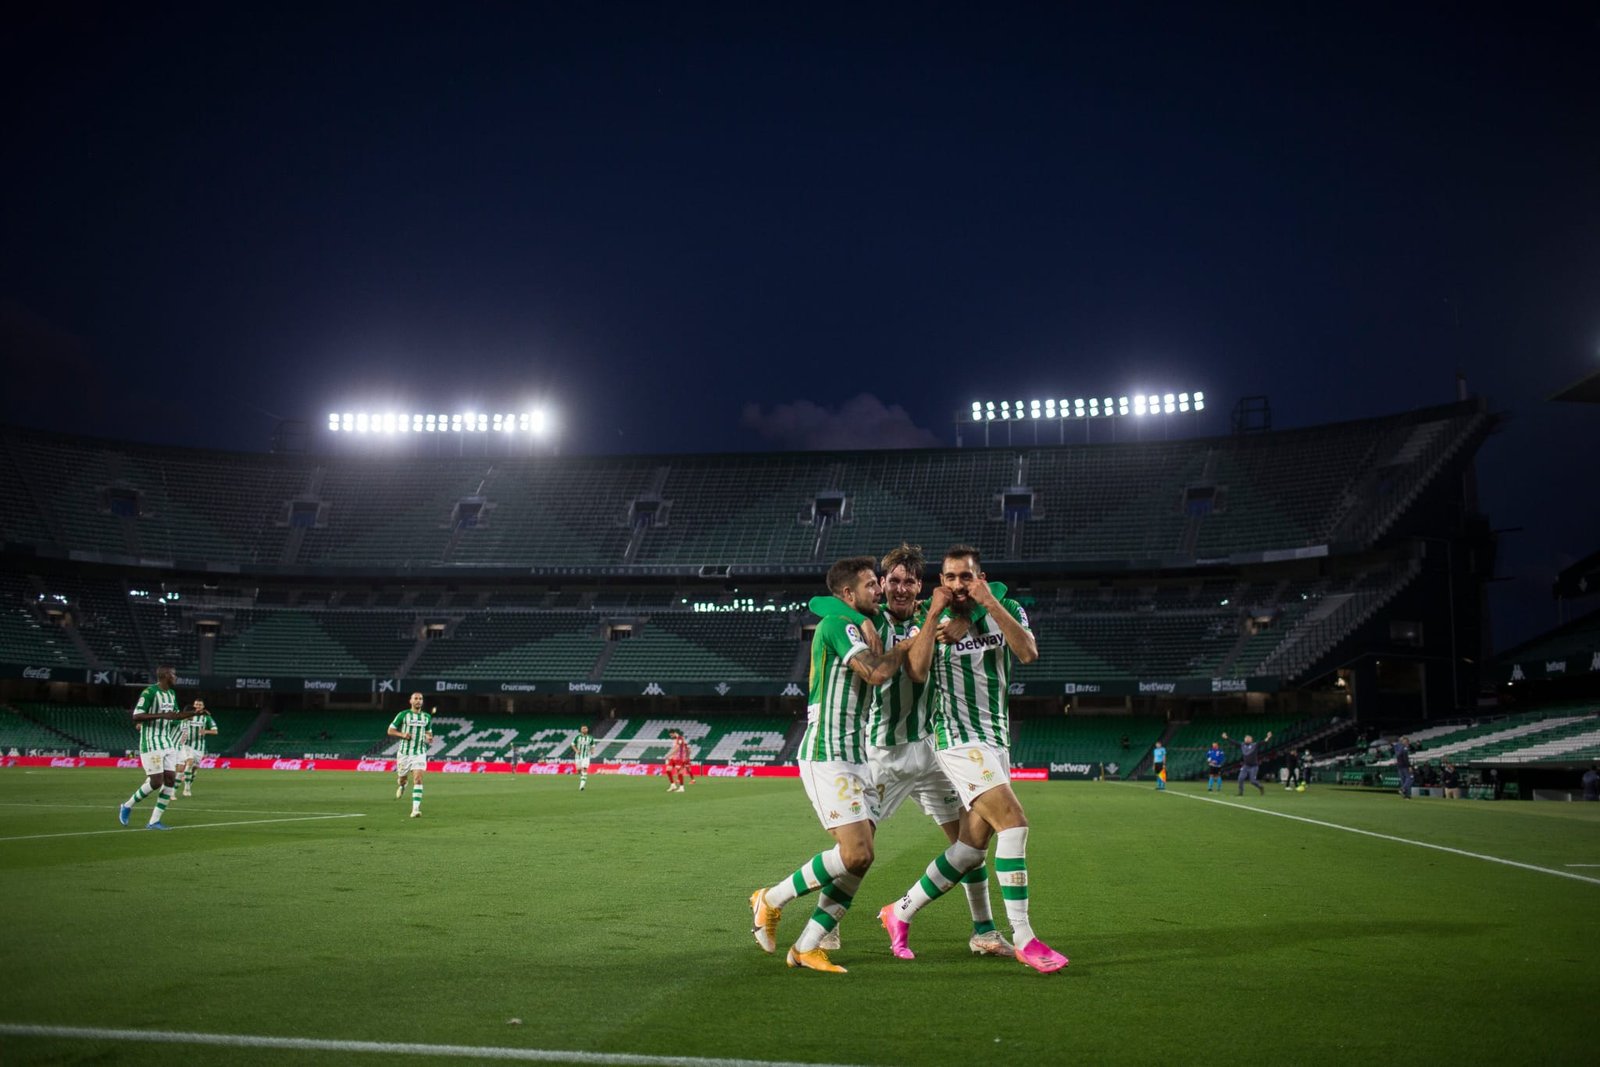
[
  {"x": 654, "y": 690},
  {"x": 1516, "y": 673},
  {"x": 722, "y": 689},
  {"x": 834, "y": 815},
  {"x": 1594, "y": 664},
  {"x": 793, "y": 690}
]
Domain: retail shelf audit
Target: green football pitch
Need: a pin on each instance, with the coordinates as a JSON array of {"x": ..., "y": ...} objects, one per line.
[{"x": 520, "y": 914}]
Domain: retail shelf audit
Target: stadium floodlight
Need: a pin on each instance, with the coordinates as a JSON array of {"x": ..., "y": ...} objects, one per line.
[
  {"x": 1138, "y": 406},
  {"x": 977, "y": 410},
  {"x": 361, "y": 422},
  {"x": 1033, "y": 409},
  {"x": 1199, "y": 401},
  {"x": 1169, "y": 403},
  {"x": 333, "y": 421}
]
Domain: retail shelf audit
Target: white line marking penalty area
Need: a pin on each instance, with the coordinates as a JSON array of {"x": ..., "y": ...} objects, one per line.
[{"x": 183, "y": 826}]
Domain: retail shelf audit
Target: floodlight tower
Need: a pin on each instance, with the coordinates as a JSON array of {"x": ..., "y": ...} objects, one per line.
[{"x": 1154, "y": 408}]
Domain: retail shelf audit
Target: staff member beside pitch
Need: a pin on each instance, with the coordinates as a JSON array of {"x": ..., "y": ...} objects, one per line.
[{"x": 1250, "y": 753}]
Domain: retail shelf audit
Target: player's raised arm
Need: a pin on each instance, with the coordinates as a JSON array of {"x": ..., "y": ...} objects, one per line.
[
  {"x": 919, "y": 660},
  {"x": 1019, "y": 639}
]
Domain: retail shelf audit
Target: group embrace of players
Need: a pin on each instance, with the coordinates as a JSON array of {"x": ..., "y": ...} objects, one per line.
[
  {"x": 172, "y": 742},
  {"x": 909, "y": 698}
]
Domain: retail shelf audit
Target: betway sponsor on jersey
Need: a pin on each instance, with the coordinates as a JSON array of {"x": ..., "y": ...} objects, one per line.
[{"x": 977, "y": 644}]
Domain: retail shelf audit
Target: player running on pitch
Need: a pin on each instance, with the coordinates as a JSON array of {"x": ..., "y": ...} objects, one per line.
[
  {"x": 582, "y": 753},
  {"x": 192, "y": 734},
  {"x": 414, "y": 728},
  {"x": 156, "y": 716}
]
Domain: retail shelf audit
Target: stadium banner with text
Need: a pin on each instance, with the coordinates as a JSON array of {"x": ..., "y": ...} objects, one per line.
[
  {"x": 569, "y": 687},
  {"x": 1158, "y": 687},
  {"x": 46, "y": 674},
  {"x": 1543, "y": 670}
]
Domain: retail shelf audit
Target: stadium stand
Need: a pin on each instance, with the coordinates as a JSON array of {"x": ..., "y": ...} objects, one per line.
[
  {"x": 1096, "y": 741},
  {"x": 1346, "y": 482}
]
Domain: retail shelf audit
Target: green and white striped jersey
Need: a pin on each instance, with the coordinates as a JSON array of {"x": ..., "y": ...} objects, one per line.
[
  {"x": 583, "y": 746},
  {"x": 970, "y": 682},
  {"x": 903, "y": 710},
  {"x": 192, "y": 732},
  {"x": 417, "y": 724},
  {"x": 158, "y": 734},
  {"x": 839, "y": 700}
]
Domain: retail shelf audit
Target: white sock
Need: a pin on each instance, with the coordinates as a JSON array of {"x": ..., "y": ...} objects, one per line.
[
  {"x": 1011, "y": 870},
  {"x": 822, "y": 868}
]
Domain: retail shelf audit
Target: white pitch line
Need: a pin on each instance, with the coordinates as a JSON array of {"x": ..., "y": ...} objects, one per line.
[
  {"x": 1583, "y": 865},
  {"x": 1391, "y": 837},
  {"x": 388, "y": 1048},
  {"x": 186, "y": 807},
  {"x": 186, "y": 826}
]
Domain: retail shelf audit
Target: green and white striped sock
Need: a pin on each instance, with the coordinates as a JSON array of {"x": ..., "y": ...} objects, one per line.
[
  {"x": 164, "y": 798},
  {"x": 945, "y": 871},
  {"x": 976, "y": 883},
  {"x": 812, "y": 875},
  {"x": 831, "y": 906},
  {"x": 416, "y": 797},
  {"x": 188, "y": 777},
  {"x": 139, "y": 794},
  {"x": 1011, "y": 870}
]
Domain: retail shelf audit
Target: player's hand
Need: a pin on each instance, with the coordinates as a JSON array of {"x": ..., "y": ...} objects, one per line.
[
  {"x": 428, "y": 738},
  {"x": 952, "y": 629},
  {"x": 984, "y": 595},
  {"x": 938, "y": 600},
  {"x": 870, "y": 633}
]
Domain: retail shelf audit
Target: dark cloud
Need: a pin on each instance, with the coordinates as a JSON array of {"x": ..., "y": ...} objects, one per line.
[{"x": 863, "y": 421}]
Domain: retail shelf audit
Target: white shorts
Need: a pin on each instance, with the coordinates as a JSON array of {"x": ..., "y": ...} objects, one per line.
[
  {"x": 163, "y": 759},
  {"x": 841, "y": 793},
  {"x": 975, "y": 769},
  {"x": 407, "y": 764},
  {"x": 912, "y": 770},
  {"x": 582, "y": 765},
  {"x": 185, "y": 754}
]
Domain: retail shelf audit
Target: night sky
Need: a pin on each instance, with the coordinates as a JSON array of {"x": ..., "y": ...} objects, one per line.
[{"x": 694, "y": 228}]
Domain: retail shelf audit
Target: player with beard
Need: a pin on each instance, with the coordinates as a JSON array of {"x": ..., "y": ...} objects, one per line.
[
  {"x": 900, "y": 740},
  {"x": 972, "y": 737}
]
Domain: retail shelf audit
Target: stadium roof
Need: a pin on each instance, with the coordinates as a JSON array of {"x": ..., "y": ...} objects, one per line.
[{"x": 1583, "y": 391}]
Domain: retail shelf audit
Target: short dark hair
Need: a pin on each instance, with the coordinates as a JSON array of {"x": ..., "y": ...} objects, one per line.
[
  {"x": 905, "y": 555},
  {"x": 842, "y": 575},
  {"x": 957, "y": 551}
]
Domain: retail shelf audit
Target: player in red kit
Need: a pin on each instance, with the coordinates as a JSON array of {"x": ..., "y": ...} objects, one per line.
[{"x": 678, "y": 762}]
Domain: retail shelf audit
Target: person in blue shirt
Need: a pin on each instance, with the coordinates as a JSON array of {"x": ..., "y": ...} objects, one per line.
[
  {"x": 1158, "y": 763},
  {"x": 1215, "y": 758}
]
